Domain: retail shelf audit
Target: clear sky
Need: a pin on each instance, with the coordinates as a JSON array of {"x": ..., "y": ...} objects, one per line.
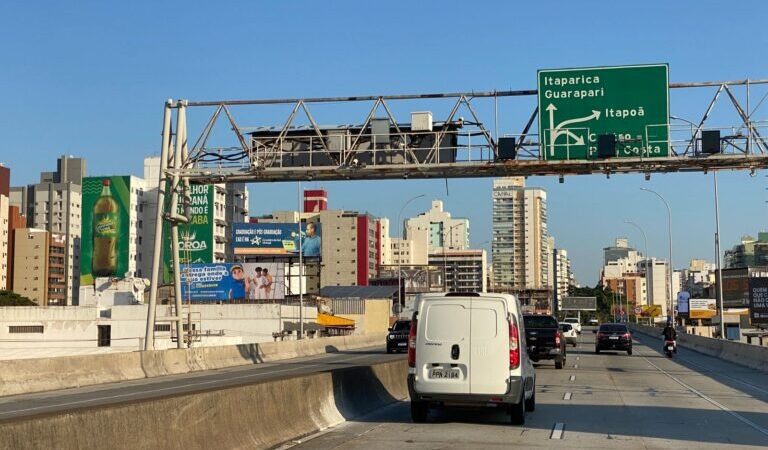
[{"x": 89, "y": 79}]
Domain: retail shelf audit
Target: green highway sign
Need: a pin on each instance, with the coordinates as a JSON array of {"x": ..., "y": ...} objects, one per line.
[{"x": 578, "y": 105}]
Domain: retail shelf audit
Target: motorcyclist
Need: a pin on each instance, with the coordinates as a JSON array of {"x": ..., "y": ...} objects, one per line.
[{"x": 670, "y": 334}]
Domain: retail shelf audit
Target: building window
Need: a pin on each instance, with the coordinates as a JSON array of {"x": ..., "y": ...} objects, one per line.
[{"x": 23, "y": 329}]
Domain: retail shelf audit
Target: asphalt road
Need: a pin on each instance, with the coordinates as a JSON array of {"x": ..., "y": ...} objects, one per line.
[
  {"x": 610, "y": 400},
  {"x": 26, "y": 405}
]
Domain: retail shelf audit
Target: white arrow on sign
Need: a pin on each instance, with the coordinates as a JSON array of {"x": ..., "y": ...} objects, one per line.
[{"x": 556, "y": 131}]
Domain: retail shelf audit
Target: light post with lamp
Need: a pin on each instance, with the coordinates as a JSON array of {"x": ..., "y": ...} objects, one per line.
[
  {"x": 645, "y": 240},
  {"x": 400, "y": 237},
  {"x": 670, "y": 304}
]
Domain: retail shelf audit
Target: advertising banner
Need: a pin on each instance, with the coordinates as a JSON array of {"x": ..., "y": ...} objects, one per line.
[
  {"x": 105, "y": 228},
  {"x": 702, "y": 308},
  {"x": 651, "y": 311},
  {"x": 758, "y": 300},
  {"x": 233, "y": 281},
  {"x": 277, "y": 239},
  {"x": 579, "y": 304},
  {"x": 682, "y": 303},
  {"x": 196, "y": 236}
]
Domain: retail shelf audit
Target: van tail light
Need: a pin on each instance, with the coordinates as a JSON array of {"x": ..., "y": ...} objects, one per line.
[
  {"x": 412, "y": 343},
  {"x": 627, "y": 336},
  {"x": 514, "y": 344},
  {"x": 557, "y": 338}
]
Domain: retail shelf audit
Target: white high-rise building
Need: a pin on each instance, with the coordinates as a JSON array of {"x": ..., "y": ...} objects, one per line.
[
  {"x": 520, "y": 245},
  {"x": 55, "y": 204},
  {"x": 445, "y": 232},
  {"x": 563, "y": 276},
  {"x": 657, "y": 280}
]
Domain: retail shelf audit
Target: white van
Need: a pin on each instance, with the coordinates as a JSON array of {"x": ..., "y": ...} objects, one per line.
[{"x": 468, "y": 349}]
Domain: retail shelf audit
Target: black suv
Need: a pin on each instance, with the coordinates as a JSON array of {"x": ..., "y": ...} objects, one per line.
[
  {"x": 543, "y": 339},
  {"x": 397, "y": 338},
  {"x": 613, "y": 336}
]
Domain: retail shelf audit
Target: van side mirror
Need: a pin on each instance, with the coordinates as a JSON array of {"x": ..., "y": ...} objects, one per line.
[{"x": 389, "y": 329}]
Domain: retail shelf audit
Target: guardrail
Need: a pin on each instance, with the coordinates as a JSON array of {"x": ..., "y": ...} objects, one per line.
[{"x": 752, "y": 356}]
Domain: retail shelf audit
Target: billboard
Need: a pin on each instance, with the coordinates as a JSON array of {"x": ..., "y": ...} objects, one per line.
[
  {"x": 579, "y": 304},
  {"x": 105, "y": 228},
  {"x": 736, "y": 285},
  {"x": 651, "y": 311},
  {"x": 233, "y": 282},
  {"x": 682, "y": 303},
  {"x": 758, "y": 300},
  {"x": 628, "y": 105},
  {"x": 702, "y": 308},
  {"x": 277, "y": 239},
  {"x": 196, "y": 236}
]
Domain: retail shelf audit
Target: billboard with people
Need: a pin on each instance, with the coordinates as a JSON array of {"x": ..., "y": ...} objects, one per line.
[
  {"x": 277, "y": 239},
  {"x": 233, "y": 282},
  {"x": 105, "y": 228}
]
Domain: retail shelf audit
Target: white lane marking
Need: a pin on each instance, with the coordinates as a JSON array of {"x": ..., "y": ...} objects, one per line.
[
  {"x": 169, "y": 388},
  {"x": 577, "y": 358},
  {"x": 558, "y": 429},
  {"x": 573, "y": 378},
  {"x": 575, "y": 366},
  {"x": 736, "y": 415},
  {"x": 567, "y": 396}
]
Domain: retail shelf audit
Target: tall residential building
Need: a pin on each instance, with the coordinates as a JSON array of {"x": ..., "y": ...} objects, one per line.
[
  {"x": 54, "y": 204},
  {"x": 563, "y": 275},
  {"x": 43, "y": 255},
  {"x": 750, "y": 252},
  {"x": 520, "y": 237},
  {"x": 444, "y": 231},
  {"x": 657, "y": 281},
  {"x": 5, "y": 244},
  {"x": 465, "y": 270},
  {"x": 15, "y": 221},
  {"x": 351, "y": 250},
  {"x": 697, "y": 278}
]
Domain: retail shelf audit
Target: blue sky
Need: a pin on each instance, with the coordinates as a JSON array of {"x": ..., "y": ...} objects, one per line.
[{"x": 90, "y": 78}]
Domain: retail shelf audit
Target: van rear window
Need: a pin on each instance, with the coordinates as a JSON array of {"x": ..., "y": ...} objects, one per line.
[
  {"x": 446, "y": 322},
  {"x": 540, "y": 322}
]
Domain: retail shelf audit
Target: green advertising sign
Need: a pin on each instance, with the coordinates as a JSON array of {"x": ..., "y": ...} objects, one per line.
[
  {"x": 196, "y": 237},
  {"x": 105, "y": 231},
  {"x": 631, "y": 103}
]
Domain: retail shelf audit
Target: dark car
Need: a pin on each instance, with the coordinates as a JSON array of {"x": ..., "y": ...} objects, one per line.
[
  {"x": 543, "y": 339},
  {"x": 613, "y": 336},
  {"x": 397, "y": 338}
]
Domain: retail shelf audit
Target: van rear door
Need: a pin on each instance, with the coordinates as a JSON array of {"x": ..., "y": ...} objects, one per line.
[
  {"x": 442, "y": 348},
  {"x": 489, "y": 358}
]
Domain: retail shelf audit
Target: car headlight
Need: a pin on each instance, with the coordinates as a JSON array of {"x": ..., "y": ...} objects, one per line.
[{"x": 391, "y": 336}]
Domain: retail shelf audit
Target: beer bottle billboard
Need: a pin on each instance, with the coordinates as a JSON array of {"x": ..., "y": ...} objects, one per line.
[{"x": 106, "y": 228}]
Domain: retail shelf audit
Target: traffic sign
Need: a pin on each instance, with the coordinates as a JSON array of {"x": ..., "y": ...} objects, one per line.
[
  {"x": 579, "y": 304},
  {"x": 630, "y": 103}
]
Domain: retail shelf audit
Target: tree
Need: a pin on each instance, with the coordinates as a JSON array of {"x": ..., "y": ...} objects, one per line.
[
  {"x": 605, "y": 299},
  {"x": 8, "y": 298}
]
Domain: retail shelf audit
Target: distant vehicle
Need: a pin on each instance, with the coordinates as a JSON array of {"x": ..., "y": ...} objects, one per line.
[
  {"x": 613, "y": 336},
  {"x": 574, "y": 321},
  {"x": 466, "y": 349},
  {"x": 544, "y": 340},
  {"x": 397, "y": 338},
  {"x": 569, "y": 333},
  {"x": 593, "y": 322},
  {"x": 669, "y": 348}
]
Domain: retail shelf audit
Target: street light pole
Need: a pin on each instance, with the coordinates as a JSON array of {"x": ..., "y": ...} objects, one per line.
[
  {"x": 645, "y": 240},
  {"x": 400, "y": 236},
  {"x": 671, "y": 304},
  {"x": 717, "y": 259}
]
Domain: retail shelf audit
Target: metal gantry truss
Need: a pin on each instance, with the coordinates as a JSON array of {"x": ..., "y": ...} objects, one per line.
[{"x": 454, "y": 147}]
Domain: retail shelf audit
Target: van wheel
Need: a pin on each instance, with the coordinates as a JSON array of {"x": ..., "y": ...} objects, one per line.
[
  {"x": 419, "y": 412},
  {"x": 530, "y": 404},
  {"x": 517, "y": 411},
  {"x": 389, "y": 350},
  {"x": 559, "y": 363}
]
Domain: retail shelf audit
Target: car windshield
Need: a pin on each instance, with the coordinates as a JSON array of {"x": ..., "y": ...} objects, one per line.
[
  {"x": 612, "y": 328},
  {"x": 540, "y": 322},
  {"x": 571, "y": 320},
  {"x": 565, "y": 327},
  {"x": 401, "y": 325}
]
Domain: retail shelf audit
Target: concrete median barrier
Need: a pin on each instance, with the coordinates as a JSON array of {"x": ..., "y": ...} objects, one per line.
[
  {"x": 46, "y": 374},
  {"x": 259, "y": 415},
  {"x": 747, "y": 355}
]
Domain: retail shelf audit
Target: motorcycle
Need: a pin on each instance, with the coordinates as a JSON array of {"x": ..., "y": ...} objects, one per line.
[{"x": 669, "y": 348}]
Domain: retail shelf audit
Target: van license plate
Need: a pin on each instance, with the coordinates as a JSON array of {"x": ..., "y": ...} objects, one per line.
[
  {"x": 444, "y": 374},
  {"x": 402, "y": 344},
  {"x": 614, "y": 338}
]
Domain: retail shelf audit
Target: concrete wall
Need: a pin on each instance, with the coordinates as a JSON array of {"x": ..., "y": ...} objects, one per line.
[
  {"x": 260, "y": 415},
  {"x": 747, "y": 355},
  {"x": 45, "y": 374}
]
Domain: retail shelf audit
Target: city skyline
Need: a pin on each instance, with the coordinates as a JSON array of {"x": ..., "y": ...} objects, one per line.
[{"x": 111, "y": 113}]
